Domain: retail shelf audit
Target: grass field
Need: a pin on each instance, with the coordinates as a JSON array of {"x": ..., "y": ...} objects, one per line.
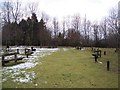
[{"x": 71, "y": 68}]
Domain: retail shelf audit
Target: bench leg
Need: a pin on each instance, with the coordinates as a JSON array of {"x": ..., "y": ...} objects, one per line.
[
  {"x": 15, "y": 57},
  {"x": 95, "y": 59},
  {"x": 27, "y": 55},
  {"x": 3, "y": 63}
]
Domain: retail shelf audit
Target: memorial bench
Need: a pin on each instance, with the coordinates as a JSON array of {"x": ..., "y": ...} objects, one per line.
[
  {"x": 28, "y": 52},
  {"x": 96, "y": 54},
  {"x": 8, "y": 60},
  {"x": 78, "y": 48}
]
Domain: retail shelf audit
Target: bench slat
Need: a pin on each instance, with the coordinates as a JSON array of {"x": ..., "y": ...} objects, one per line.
[
  {"x": 5, "y": 60},
  {"x": 8, "y": 54}
]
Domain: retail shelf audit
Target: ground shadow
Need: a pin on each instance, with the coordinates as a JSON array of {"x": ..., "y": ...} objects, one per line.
[{"x": 13, "y": 63}]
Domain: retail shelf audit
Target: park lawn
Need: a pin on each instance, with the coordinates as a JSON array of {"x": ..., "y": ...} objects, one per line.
[{"x": 72, "y": 69}]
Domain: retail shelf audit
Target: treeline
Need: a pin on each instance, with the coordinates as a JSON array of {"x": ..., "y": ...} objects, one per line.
[
  {"x": 72, "y": 31},
  {"x": 32, "y": 32},
  {"x": 26, "y": 32}
]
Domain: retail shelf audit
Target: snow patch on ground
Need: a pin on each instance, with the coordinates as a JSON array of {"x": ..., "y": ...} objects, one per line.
[
  {"x": 99, "y": 62},
  {"x": 83, "y": 49},
  {"x": 26, "y": 65},
  {"x": 65, "y": 49},
  {"x": 18, "y": 72}
]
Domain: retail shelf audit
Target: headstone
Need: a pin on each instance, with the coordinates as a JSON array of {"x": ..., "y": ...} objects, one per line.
[
  {"x": 116, "y": 50},
  {"x": 108, "y": 65},
  {"x": 80, "y": 48},
  {"x": 104, "y": 52}
]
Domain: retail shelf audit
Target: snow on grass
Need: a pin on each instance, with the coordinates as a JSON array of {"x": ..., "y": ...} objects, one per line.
[
  {"x": 27, "y": 77},
  {"x": 99, "y": 62},
  {"x": 26, "y": 65},
  {"x": 18, "y": 72},
  {"x": 65, "y": 49}
]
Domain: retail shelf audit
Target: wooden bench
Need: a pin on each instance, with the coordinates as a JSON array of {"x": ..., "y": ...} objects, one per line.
[
  {"x": 78, "y": 48},
  {"x": 33, "y": 49},
  {"x": 28, "y": 52},
  {"x": 96, "y": 56},
  {"x": 98, "y": 52},
  {"x": 8, "y": 60}
]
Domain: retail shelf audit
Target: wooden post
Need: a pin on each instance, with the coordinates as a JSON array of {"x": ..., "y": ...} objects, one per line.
[
  {"x": 25, "y": 51},
  {"x": 100, "y": 53},
  {"x": 104, "y": 52},
  {"x": 16, "y": 57},
  {"x": 7, "y": 48},
  {"x": 32, "y": 48},
  {"x": 80, "y": 48},
  {"x": 116, "y": 50},
  {"x": 27, "y": 55},
  {"x": 18, "y": 51},
  {"x": 3, "y": 60},
  {"x": 96, "y": 58},
  {"x": 108, "y": 65}
]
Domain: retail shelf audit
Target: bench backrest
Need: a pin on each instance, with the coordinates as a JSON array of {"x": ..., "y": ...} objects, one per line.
[{"x": 9, "y": 54}]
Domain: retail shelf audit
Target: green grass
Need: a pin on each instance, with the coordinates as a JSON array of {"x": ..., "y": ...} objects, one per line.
[{"x": 72, "y": 69}]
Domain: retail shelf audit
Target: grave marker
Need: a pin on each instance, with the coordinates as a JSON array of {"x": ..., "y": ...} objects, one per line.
[
  {"x": 104, "y": 52},
  {"x": 108, "y": 65}
]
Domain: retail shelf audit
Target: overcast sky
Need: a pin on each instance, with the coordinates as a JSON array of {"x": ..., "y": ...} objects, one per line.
[{"x": 94, "y": 9}]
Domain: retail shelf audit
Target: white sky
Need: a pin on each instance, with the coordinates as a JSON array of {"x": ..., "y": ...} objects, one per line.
[{"x": 94, "y": 9}]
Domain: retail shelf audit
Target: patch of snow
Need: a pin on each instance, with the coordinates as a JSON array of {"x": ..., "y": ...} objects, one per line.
[
  {"x": 100, "y": 62},
  {"x": 26, "y": 65},
  {"x": 3, "y": 80},
  {"x": 83, "y": 49},
  {"x": 36, "y": 84},
  {"x": 65, "y": 49},
  {"x": 15, "y": 71}
]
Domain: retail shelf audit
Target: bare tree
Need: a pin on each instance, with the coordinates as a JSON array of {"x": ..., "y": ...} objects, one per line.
[
  {"x": 45, "y": 17},
  {"x": 118, "y": 24},
  {"x": 63, "y": 26},
  {"x": 112, "y": 21},
  {"x": 86, "y": 30},
  {"x": 76, "y": 22},
  {"x": 56, "y": 27},
  {"x": 96, "y": 34},
  {"x": 16, "y": 11},
  {"x": 68, "y": 22},
  {"x": 103, "y": 29},
  {"x": 33, "y": 6},
  {"x": 6, "y": 9},
  {"x": 112, "y": 25}
]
